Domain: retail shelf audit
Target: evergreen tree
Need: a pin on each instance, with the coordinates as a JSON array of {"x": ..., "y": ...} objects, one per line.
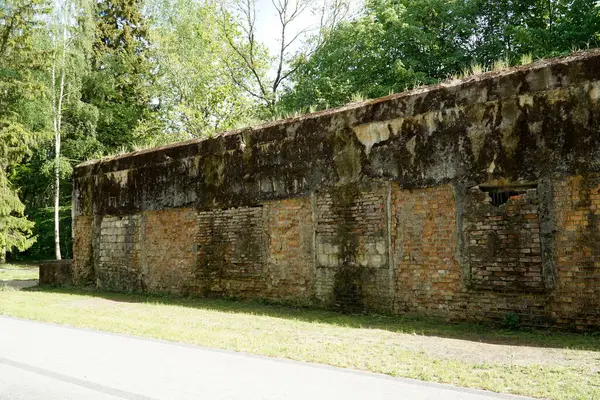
[
  {"x": 20, "y": 63},
  {"x": 121, "y": 71},
  {"x": 15, "y": 229}
]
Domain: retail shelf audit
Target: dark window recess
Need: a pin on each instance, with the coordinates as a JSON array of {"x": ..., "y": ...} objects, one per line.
[{"x": 501, "y": 195}]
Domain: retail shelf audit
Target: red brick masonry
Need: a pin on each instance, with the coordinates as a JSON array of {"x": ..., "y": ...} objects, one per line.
[{"x": 468, "y": 201}]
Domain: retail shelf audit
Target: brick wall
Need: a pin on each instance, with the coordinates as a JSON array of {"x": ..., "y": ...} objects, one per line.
[
  {"x": 289, "y": 267},
  {"x": 503, "y": 241},
  {"x": 118, "y": 253},
  {"x": 231, "y": 247},
  {"x": 424, "y": 236},
  {"x": 83, "y": 264},
  {"x": 576, "y": 299},
  {"x": 441, "y": 251},
  {"x": 532, "y": 309},
  {"x": 352, "y": 258},
  {"x": 169, "y": 251},
  {"x": 374, "y": 206},
  {"x": 437, "y": 276}
]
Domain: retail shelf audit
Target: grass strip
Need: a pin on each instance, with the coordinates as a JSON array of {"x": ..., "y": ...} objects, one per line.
[{"x": 366, "y": 342}]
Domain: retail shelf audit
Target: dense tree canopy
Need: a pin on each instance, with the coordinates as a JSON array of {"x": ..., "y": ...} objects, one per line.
[
  {"x": 193, "y": 92},
  {"x": 397, "y": 44}
]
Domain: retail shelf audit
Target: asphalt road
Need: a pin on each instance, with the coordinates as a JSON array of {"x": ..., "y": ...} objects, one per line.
[{"x": 47, "y": 361}]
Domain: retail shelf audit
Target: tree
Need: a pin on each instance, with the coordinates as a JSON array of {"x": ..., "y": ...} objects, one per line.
[
  {"x": 121, "y": 71},
  {"x": 15, "y": 229},
  {"x": 60, "y": 44},
  {"x": 393, "y": 46},
  {"x": 269, "y": 73},
  {"x": 70, "y": 45},
  {"x": 195, "y": 97},
  {"x": 20, "y": 61},
  {"x": 509, "y": 29},
  {"x": 398, "y": 44}
]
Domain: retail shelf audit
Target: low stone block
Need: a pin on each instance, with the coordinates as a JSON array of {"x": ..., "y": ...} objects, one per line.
[{"x": 56, "y": 273}]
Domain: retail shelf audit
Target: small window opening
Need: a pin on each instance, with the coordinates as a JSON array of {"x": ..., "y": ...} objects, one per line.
[{"x": 502, "y": 194}]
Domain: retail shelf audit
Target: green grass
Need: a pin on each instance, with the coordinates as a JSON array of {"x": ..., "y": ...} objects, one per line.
[
  {"x": 18, "y": 272},
  {"x": 385, "y": 344}
]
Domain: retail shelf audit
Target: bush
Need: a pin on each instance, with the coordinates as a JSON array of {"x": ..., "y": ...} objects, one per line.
[{"x": 512, "y": 321}]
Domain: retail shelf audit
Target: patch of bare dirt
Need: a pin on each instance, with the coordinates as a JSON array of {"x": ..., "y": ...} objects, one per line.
[
  {"x": 94, "y": 302},
  {"x": 486, "y": 353}
]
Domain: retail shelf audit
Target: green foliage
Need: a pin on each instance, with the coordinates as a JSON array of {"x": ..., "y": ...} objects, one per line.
[
  {"x": 20, "y": 91},
  {"x": 43, "y": 248},
  {"x": 511, "y": 321},
  {"x": 399, "y": 44},
  {"x": 395, "y": 45},
  {"x": 121, "y": 71},
  {"x": 35, "y": 178},
  {"x": 509, "y": 29},
  {"x": 80, "y": 142},
  {"x": 526, "y": 59},
  {"x": 194, "y": 93},
  {"x": 15, "y": 229},
  {"x": 500, "y": 65}
]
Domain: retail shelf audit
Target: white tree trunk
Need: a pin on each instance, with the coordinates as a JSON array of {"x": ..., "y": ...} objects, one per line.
[
  {"x": 56, "y": 161},
  {"x": 58, "y": 101},
  {"x": 57, "y": 198}
]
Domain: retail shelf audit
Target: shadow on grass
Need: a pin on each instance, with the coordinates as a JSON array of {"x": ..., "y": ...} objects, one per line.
[{"x": 475, "y": 332}]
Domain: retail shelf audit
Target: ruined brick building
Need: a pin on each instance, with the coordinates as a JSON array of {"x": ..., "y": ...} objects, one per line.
[{"x": 465, "y": 200}]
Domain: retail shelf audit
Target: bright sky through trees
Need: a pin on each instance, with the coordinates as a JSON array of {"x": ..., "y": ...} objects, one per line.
[{"x": 269, "y": 26}]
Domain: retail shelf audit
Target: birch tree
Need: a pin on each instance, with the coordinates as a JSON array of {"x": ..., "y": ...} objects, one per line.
[
  {"x": 59, "y": 47},
  {"x": 69, "y": 28}
]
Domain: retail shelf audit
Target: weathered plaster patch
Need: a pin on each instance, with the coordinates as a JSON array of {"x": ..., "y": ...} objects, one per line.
[
  {"x": 377, "y": 132},
  {"x": 535, "y": 127},
  {"x": 347, "y": 158},
  {"x": 492, "y": 166},
  {"x": 410, "y": 146},
  {"x": 558, "y": 95},
  {"x": 526, "y": 100},
  {"x": 594, "y": 91},
  {"x": 119, "y": 177},
  {"x": 476, "y": 136},
  {"x": 431, "y": 121}
]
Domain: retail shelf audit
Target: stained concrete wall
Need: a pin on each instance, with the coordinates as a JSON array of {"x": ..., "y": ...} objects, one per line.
[{"x": 466, "y": 200}]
